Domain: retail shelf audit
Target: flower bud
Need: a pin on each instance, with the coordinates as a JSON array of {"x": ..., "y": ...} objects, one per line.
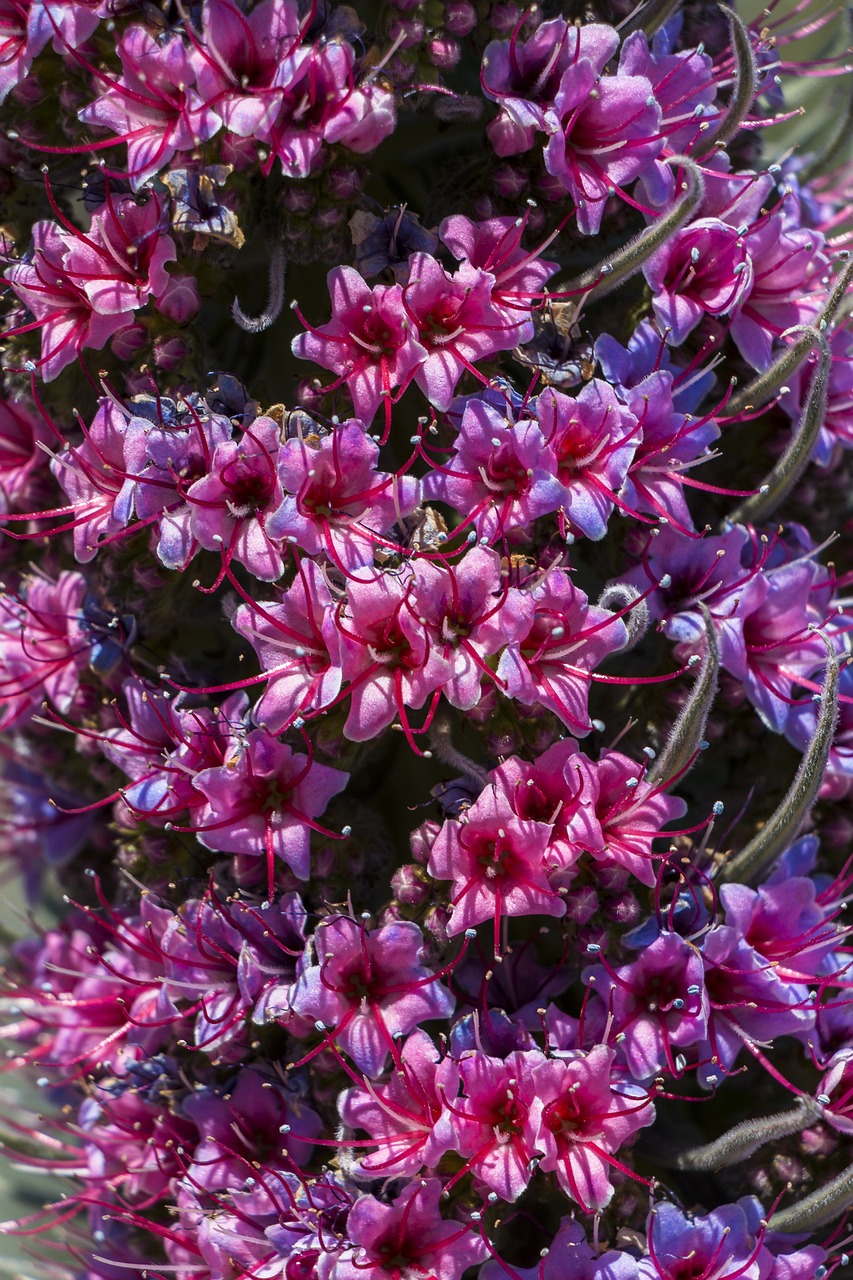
[{"x": 460, "y": 18}]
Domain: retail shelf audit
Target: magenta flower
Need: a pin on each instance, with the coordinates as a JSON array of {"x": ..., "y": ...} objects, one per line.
[
  {"x": 524, "y": 77},
  {"x": 490, "y": 1123},
  {"x": 594, "y": 439},
  {"x": 44, "y": 646},
  {"x": 299, "y": 648},
  {"x": 122, "y": 259},
  {"x": 496, "y": 861},
  {"x": 567, "y": 640},
  {"x": 659, "y": 1003},
  {"x": 261, "y": 802},
  {"x": 368, "y": 986},
  {"x": 456, "y": 321},
  {"x": 369, "y": 337},
  {"x": 408, "y": 1237},
  {"x": 153, "y": 106},
  {"x": 580, "y": 1119},
  {"x": 336, "y": 502},
  {"x": 235, "y": 507},
  {"x": 401, "y": 1116},
  {"x": 560, "y": 788},
  {"x": 238, "y": 59},
  {"x": 502, "y": 474},
  {"x": 472, "y": 613},
  {"x": 68, "y": 319},
  {"x": 704, "y": 269},
  {"x": 604, "y": 132},
  {"x": 22, "y": 433},
  {"x": 391, "y": 661}
]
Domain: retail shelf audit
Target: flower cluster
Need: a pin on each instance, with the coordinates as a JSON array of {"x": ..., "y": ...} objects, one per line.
[{"x": 431, "y": 700}]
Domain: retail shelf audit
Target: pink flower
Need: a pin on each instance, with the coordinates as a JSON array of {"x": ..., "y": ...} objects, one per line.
[
  {"x": 580, "y": 1119},
  {"x": 408, "y": 1237},
  {"x": 261, "y": 802},
  {"x": 470, "y": 607},
  {"x": 495, "y": 246},
  {"x": 67, "y": 23},
  {"x": 400, "y": 1116},
  {"x": 491, "y": 1124},
  {"x": 68, "y": 319},
  {"x": 16, "y": 52},
  {"x": 456, "y": 321},
  {"x": 122, "y": 259},
  {"x": 594, "y": 439},
  {"x": 337, "y": 503},
  {"x": 367, "y": 986},
  {"x": 496, "y": 862},
  {"x": 631, "y": 814},
  {"x": 299, "y": 647},
  {"x": 566, "y": 641},
  {"x": 234, "y": 507},
  {"x": 319, "y": 102},
  {"x": 21, "y": 434},
  {"x": 239, "y": 58},
  {"x": 44, "y": 647},
  {"x": 369, "y": 337},
  {"x": 391, "y": 661},
  {"x": 153, "y": 105}
]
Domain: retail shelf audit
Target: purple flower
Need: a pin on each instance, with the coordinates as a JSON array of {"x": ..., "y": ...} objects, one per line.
[
  {"x": 524, "y": 77},
  {"x": 408, "y": 1236},
  {"x": 337, "y": 503},
  {"x": 719, "y": 1244},
  {"x": 502, "y": 474},
  {"x": 367, "y": 986},
  {"x": 659, "y": 1004},
  {"x": 261, "y": 802},
  {"x": 604, "y": 132},
  {"x": 704, "y": 269}
]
